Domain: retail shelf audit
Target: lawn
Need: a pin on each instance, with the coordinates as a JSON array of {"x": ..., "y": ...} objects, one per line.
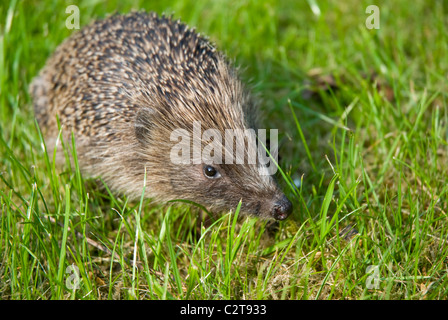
[{"x": 362, "y": 115}]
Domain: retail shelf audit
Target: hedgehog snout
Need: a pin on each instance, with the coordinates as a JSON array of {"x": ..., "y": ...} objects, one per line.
[{"x": 281, "y": 209}]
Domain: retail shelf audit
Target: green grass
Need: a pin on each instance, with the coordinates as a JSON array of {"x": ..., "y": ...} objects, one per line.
[{"x": 363, "y": 118}]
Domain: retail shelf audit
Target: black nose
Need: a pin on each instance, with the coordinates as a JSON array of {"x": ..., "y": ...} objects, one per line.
[{"x": 281, "y": 209}]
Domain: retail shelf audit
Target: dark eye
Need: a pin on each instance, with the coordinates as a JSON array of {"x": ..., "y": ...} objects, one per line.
[{"x": 211, "y": 172}]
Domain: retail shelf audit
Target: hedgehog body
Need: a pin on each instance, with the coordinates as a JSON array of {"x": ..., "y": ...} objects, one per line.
[{"x": 123, "y": 84}]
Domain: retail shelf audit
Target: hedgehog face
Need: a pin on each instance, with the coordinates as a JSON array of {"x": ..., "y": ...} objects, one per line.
[
  {"x": 232, "y": 183},
  {"x": 209, "y": 170},
  {"x": 216, "y": 167},
  {"x": 220, "y": 187}
]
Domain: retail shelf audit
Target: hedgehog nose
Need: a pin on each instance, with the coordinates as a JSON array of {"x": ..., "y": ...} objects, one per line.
[{"x": 281, "y": 209}]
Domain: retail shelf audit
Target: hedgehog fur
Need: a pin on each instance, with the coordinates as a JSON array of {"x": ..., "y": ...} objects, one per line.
[{"x": 123, "y": 84}]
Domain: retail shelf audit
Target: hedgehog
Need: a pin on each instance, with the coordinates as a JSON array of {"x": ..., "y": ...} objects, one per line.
[{"x": 122, "y": 85}]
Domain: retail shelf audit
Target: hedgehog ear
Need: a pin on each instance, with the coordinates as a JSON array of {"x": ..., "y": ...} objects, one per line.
[{"x": 143, "y": 123}]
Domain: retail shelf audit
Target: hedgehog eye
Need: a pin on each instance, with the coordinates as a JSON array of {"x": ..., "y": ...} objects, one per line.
[{"x": 211, "y": 172}]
